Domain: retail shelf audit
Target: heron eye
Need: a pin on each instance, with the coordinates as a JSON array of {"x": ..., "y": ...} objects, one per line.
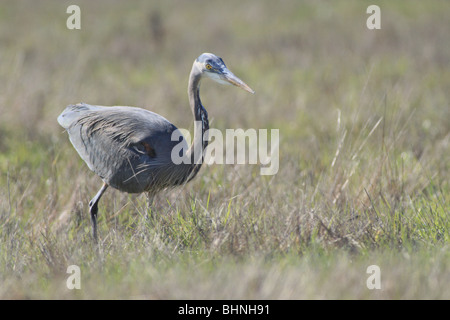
[{"x": 208, "y": 66}]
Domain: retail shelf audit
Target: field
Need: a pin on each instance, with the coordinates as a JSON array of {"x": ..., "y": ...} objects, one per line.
[{"x": 363, "y": 117}]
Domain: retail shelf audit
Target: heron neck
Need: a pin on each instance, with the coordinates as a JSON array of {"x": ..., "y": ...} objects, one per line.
[
  {"x": 194, "y": 92},
  {"x": 201, "y": 124}
]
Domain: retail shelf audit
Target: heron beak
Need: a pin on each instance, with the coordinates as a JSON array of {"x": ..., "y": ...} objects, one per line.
[{"x": 228, "y": 76}]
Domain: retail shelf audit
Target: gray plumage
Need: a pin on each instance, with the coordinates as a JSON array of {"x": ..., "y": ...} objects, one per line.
[
  {"x": 112, "y": 141},
  {"x": 130, "y": 148}
]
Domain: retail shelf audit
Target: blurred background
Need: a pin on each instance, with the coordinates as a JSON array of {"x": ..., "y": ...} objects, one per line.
[
  {"x": 363, "y": 118},
  {"x": 304, "y": 58}
]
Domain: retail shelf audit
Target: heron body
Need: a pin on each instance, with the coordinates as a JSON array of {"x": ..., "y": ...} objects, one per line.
[{"x": 130, "y": 148}]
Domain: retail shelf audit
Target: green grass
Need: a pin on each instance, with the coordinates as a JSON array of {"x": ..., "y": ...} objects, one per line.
[{"x": 364, "y": 151}]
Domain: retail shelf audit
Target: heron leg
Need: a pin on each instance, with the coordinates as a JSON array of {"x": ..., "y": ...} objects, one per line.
[{"x": 93, "y": 209}]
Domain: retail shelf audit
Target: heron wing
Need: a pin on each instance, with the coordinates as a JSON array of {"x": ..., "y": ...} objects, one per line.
[{"x": 115, "y": 142}]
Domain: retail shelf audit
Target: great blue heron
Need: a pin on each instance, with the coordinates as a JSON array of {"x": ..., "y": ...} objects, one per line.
[{"x": 130, "y": 148}]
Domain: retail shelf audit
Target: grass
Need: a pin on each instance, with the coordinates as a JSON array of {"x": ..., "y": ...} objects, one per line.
[{"x": 364, "y": 151}]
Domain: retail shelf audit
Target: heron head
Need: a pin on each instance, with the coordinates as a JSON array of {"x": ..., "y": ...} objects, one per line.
[{"x": 213, "y": 67}]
